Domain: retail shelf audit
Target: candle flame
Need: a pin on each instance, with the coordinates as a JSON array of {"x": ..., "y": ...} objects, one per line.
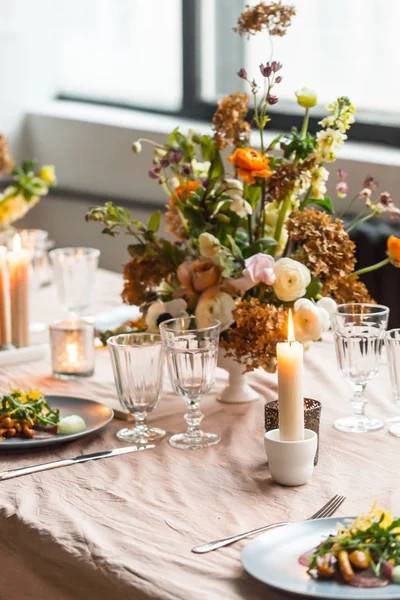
[
  {"x": 291, "y": 337},
  {"x": 17, "y": 245},
  {"x": 72, "y": 353}
]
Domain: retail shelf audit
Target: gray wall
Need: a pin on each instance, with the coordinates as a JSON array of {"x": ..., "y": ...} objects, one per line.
[{"x": 64, "y": 218}]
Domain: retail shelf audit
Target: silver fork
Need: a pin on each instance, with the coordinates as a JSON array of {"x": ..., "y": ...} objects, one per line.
[{"x": 326, "y": 511}]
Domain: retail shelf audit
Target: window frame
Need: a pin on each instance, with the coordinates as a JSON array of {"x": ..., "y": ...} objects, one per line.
[{"x": 193, "y": 107}]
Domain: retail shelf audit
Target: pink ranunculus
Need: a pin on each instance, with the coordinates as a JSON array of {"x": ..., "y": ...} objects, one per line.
[{"x": 260, "y": 268}]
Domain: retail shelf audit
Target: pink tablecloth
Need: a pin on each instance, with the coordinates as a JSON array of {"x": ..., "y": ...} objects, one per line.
[{"x": 123, "y": 528}]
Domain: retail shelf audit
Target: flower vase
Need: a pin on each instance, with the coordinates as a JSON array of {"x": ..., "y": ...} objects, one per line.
[{"x": 237, "y": 389}]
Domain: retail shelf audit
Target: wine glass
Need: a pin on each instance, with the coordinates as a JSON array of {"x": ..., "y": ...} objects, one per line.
[
  {"x": 138, "y": 365},
  {"x": 359, "y": 330},
  {"x": 191, "y": 349},
  {"x": 74, "y": 275},
  {"x": 392, "y": 344}
]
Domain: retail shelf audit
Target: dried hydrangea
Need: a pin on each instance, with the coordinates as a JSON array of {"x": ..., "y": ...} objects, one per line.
[
  {"x": 324, "y": 246},
  {"x": 173, "y": 223},
  {"x": 349, "y": 289},
  {"x": 141, "y": 274},
  {"x": 229, "y": 122},
  {"x": 252, "y": 339},
  {"x": 274, "y": 16},
  {"x": 6, "y": 162},
  {"x": 286, "y": 178}
]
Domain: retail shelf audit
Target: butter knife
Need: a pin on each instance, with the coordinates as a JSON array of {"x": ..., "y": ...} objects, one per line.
[{"x": 66, "y": 462}]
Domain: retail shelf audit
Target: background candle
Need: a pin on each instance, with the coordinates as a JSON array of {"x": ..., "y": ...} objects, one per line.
[
  {"x": 290, "y": 387},
  {"x": 5, "y": 306},
  {"x": 19, "y": 268}
]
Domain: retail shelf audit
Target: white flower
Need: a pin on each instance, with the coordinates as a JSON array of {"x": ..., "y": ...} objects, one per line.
[
  {"x": 260, "y": 268},
  {"x": 209, "y": 245},
  {"x": 230, "y": 187},
  {"x": 240, "y": 206},
  {"x": 292, "y": 279},
  {"x": 310, "y": 321},
  {"x": 306, "y": 98},
  {"x": 328, "y": 304},
  {"x": 319, "y": 176},
  {"x": 201, "y": 168},
  {"x": 213, "y": 303},
  {"x": 329, "y": 141},
  {"x": 162, "y": 311}
]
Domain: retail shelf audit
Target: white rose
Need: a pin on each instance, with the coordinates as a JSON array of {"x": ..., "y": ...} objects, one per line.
[
  {"x": 209, "y": 245},
  {"x": 162, "y": 311},
  {"x": 310, "y": 321},
  {"x": 215, "y": 304},
  {"x": 328, "y": 304},
  {"x": 292, "y": 279}
]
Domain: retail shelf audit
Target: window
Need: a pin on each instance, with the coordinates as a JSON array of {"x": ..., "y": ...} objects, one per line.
[{"x": 180, "y": 56}]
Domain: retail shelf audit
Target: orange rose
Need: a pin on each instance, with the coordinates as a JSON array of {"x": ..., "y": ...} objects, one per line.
[
  {"x": 250, "y": 164},
  {"x": 393, "y": 248},
  {"x": 199, "y": 275},
  {"x": 183, "y": 191}
]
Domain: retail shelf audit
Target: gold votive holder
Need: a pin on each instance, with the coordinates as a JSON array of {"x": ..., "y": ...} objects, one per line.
[
  {"x": 72, "y": 349},
  {"x": 312, "y": 417}
]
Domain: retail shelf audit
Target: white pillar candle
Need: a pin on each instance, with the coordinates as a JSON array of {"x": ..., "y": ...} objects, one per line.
[
  {"x": 5, "y": 306},
  {"x": 19, "y": 266},
  {"x": 290, "y": 387}
]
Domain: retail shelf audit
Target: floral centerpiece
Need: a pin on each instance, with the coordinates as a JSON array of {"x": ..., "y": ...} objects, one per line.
[
  {"x": 28, "y": 185},
  {"x": 256, "y": 234}
]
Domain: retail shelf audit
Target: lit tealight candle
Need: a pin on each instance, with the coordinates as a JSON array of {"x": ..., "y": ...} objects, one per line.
[
  {"x": 72, "y": 348},
  {"x": 290, "y": 387},
  {"x": 19, "y": 267}
]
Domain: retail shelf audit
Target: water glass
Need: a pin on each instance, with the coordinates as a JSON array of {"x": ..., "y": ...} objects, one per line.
[
  {"x": 138, "y": 365},
  {"x": 359, "y": 330},
  {"x": 74, "y": 275},
  {"x": 191, "y": 349},
  {"x": 392, "y": 344}
]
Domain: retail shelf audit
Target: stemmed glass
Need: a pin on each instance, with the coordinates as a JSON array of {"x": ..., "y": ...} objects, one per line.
[
  {"x": 74, "y": 275},
  {"x": 359, "y": 330},
  {"x": 392, "y": 344},
  {"x": 138, "y": 365},
  {"x": 191, "y": 349}
]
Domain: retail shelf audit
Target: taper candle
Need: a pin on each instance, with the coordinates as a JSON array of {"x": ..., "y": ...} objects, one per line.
[
  {"x": 5, "y": 305},
  {"x": 19, "y": 265},
  {"x": 290, "y": 387}
]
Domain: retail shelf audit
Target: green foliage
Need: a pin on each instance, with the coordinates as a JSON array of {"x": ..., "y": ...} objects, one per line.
[
  {"x": 313, "y": 289},
  {"x": 154, "y": 221},
  {"x": 324, "y": 203},
  {"x": 113, "y": 217},
  {"x": 260, "y": 245},
  {"x": 297, "y": 146}
]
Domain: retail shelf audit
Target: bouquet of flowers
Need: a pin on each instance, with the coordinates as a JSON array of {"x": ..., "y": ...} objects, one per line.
[
  {"x": 256, "y": 234},
  {"x": 26, "y": 189}
]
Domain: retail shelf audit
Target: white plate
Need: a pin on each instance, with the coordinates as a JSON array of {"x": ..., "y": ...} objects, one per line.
[{"x": 273, "y": 558}]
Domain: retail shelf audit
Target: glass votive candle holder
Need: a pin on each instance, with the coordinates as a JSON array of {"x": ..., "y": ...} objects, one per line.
[
  {"x": 72, "y": 348},
  {"x": 312, "y": 417}
]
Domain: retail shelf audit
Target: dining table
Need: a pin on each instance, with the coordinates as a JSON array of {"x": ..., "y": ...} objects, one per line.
[{"x": 123, "y": 528}]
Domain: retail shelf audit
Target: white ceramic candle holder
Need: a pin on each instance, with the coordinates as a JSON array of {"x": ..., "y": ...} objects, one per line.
[{"x": 291, "y": 463}]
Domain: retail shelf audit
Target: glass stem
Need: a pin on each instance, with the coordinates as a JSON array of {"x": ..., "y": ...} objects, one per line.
[
  {"x": 359, "y": 401},
  {"x": 193, "y": 418},
  {"x": 140, "y": 421}
]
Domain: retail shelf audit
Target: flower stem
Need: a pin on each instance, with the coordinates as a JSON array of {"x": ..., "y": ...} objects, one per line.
[
  {"x": 154, "y": 144},
  {"x": 305, "y": 123},
  {"x": 356, "y": 223},
  {"x": 350, "y": 204},
  {"x": 378, "y": 265},
  {"x": 281, "y": 220}
]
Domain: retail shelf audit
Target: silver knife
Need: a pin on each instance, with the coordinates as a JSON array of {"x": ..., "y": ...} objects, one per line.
[{"x": 66, "y": 462}]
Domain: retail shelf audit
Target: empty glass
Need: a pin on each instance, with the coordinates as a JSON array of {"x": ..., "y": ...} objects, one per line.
[
  {"x": 191, "y": 349},
  {"x": 74, "y": 275},
  {"x": 392, "y": 343},
  {"x": 138, "y": 364},
  {"x": 359, "y": 330}
]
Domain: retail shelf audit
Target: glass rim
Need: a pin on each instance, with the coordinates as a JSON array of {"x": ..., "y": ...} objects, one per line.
[
  {"x": 74, "y": 249},
  {"x": 112, "y": 340},
  {"x": 389, "y": 332},
  {"x": 216, "y": 323},
  {"x": 381, "y": 309},
  {"x": 77, "y": 324}
]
